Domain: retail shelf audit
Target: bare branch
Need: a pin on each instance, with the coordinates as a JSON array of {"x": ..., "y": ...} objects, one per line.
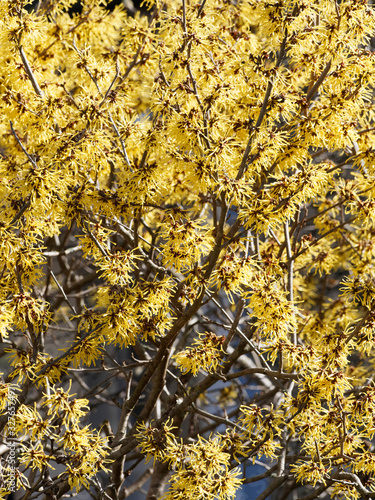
[
  {"x": 319, "y": 81},
  {"x": 30, "y": 74},
  {"x": 30, "y": 158}
]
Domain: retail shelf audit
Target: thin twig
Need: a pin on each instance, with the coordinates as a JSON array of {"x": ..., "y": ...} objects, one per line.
[
  {"x": 29, "y": 72},
  {"x": 259, "y": 477},
  {"x": 134, "y": 63},
  {"x": 276, "y": 483},
  {"x": 262, "y": 371},
  {"x": 162, "y": 73},
  {"x": 195, "y": 90},
  {"x": 200, "y": 10},
  {"x": 62, "y": 291},
  {"x": 79, "y": 52},
  {"x": 290, "y": 271},
  {"x": 30, "y": 158},
  {"x": 124, "y": 152},
  {"x": 338, "y": 14},
  {"x": 21, "y": 212},
  {"x": 234, "y": 325},
  {"x": 319, "y": 81},
  {"x": 112, "y": 83},
  {"x": 184, "y": 17},
  {"x": 94, "y": 239},
  {"x": 215, "y": 418}
]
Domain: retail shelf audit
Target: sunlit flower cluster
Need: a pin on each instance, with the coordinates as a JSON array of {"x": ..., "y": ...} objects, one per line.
[{"x": 205, "y": 166}]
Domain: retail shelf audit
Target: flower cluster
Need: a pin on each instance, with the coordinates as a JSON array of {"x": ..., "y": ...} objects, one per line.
[
  {"x": 202, "y": 166},
  {"x": 206, "y": 354}
]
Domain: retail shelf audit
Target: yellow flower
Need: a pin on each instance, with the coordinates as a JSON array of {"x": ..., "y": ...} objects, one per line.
[
  {"x": 35, "y": 457},
  {"x": 185, "y": 243},
  {"x": 64, "y": 404},
  {"x": 206, "y": 354},
  {"x": 154, "y": 441},
  {"x": 311, "y": 472}
]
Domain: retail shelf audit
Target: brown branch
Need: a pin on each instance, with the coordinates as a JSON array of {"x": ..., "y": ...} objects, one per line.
[
  {"x": 316, "y": 493},
  {"x": 61, "y": 290},
  {"x": 158, "y": 481},
  {"x": 259, "y": 477},
  {"x": 263, "y": 371},
  {"x": 30, "y": 158},
  {"x": 318, "y": 83},
  {"x": 126, "y": 492},
  {"x": 111, "y": 85},
  {"x": 30, "y": 73},
  {"x": 276, "y": 483}
]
